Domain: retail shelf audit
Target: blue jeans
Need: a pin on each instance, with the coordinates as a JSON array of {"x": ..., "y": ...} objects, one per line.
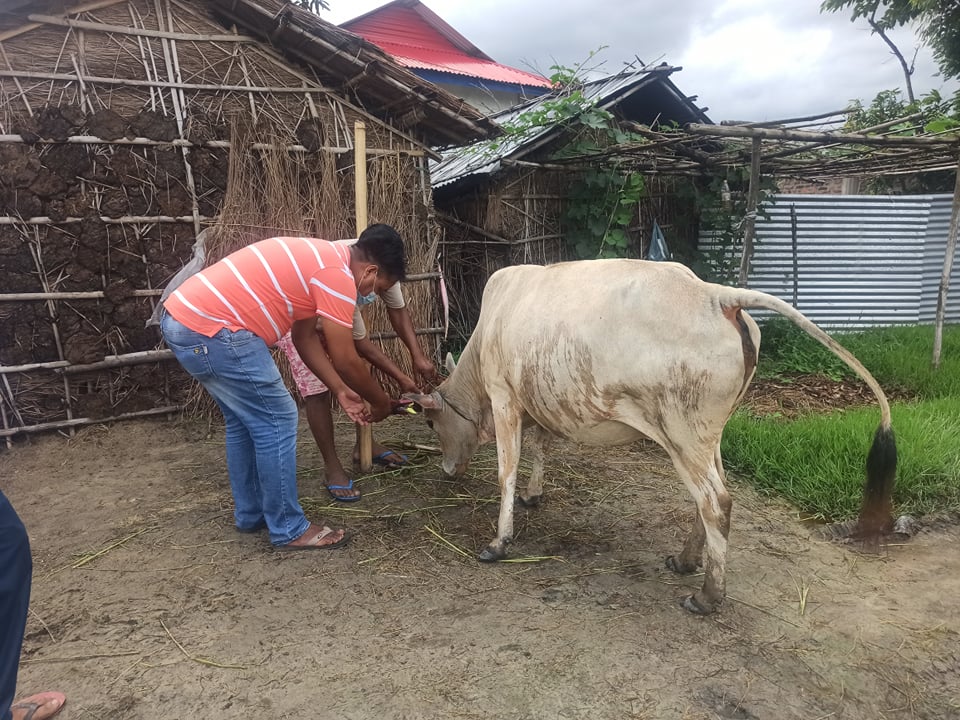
[
  {"x": 237, "y": 369},
  {"x": 16, "y": 568}
]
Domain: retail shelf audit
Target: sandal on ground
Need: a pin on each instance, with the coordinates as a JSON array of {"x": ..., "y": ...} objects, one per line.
[
  {"x": 316, "y": 541},
  {"x": 344, "y": 498},
  {"x": 384, "y": 460},
  {"x": 40, "y": 706}
]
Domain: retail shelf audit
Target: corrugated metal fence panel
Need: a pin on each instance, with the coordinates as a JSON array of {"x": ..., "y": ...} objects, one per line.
[
  {"x": 861, "y": 260},
  {"x": 937, "y": 230}
]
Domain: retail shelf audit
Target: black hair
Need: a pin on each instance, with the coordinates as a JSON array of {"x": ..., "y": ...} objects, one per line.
[{"x": 382, "y": 244}]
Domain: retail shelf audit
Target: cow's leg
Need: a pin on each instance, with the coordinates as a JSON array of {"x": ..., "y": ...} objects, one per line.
[
  {"x": 692, "y": 555},
  {"x": 539, "y": 444},
  {"x": 507, "y": 424},
  {"x": 703, "y": 479}
]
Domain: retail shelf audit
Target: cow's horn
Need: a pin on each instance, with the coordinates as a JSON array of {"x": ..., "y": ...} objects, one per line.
[{"x": 451, "y": 363}]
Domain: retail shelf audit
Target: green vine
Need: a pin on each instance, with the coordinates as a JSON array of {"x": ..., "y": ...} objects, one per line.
[
  {"x": 601, "y": 205},
  {"x": 602, "y": 200},
  {"x": 722, "y": 206}
]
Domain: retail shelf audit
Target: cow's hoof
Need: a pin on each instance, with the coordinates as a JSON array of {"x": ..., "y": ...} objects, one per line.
[
  {"x": 691, "y": 604},
  {"x": 491, "y": 554},
  {"x": 674, "y": 565},
  {"x": 529, "y": 502}
]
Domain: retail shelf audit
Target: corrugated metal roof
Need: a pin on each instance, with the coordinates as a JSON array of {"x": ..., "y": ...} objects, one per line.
[
  {"x": 368, "y": 75},
  {"x": 484, "y": 158},
  {"x": 457, "y": 63},
  {"x": 418, "y": 38}
]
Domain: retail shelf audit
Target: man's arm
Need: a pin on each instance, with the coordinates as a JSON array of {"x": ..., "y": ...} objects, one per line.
[
  {"x": 347, "y": 367},
  {"x": 375, "y": 356},
  {"x": 403, "y": 326}
]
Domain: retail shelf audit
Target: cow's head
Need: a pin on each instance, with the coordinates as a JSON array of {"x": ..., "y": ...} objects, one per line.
[{"x": 459, "y": 427}]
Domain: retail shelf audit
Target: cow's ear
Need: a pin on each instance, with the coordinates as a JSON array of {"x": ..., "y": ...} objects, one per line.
[
  {"x": 433, "y": 401},
  {"x": 451, "y": 364}
]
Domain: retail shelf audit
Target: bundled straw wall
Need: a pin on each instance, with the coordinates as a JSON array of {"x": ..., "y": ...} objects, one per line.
[{"x": 127, "y": 128}]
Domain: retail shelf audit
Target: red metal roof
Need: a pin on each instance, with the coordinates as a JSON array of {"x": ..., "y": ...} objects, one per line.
[{"x": 418, "y": 38}]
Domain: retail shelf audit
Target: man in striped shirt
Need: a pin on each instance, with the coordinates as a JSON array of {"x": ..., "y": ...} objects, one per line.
[{"x": 220, "y": 324}]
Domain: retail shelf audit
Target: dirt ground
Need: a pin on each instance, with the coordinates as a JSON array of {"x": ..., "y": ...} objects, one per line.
[{"x": 147, "y": 604}]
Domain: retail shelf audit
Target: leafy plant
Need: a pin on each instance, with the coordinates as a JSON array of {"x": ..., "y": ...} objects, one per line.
[
  {"x": 601, "y": 205},
  {"x": 722, "y": 203}
]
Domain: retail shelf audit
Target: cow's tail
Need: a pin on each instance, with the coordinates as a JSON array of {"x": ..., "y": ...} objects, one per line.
[{"x": 876, "y": 512}]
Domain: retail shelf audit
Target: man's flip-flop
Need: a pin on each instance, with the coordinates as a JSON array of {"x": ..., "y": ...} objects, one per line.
[
  {"x": 41, "y": 706},
  {"x": 313, "y": 544},
  {"x": 344, "y": 498},
  {"x": 381, "y": 460}
]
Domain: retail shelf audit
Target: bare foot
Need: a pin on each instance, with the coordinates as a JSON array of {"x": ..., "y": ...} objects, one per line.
[{"x": 38, "y": 707}]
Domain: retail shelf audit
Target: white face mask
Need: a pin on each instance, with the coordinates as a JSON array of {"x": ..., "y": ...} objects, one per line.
[{"x": 367, "y": 298}]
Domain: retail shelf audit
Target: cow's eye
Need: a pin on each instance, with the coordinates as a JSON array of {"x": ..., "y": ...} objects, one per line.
[{"x": 430, "y": 424}]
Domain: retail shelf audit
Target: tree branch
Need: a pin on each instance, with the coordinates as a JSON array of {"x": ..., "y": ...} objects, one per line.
[{"x": 907, "y": 69}]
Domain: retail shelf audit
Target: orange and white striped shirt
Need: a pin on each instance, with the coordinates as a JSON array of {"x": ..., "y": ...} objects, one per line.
[{"x": 266, "y": 286}]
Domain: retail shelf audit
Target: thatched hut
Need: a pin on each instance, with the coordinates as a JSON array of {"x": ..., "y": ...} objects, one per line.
[
  {"x": 128, "y": 126},
  {"x": 506, "y": 201}
]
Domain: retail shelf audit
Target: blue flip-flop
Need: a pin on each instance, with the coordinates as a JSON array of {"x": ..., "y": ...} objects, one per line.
[
  {"x": 348, "y": 498},
  {"x": 381, "y": 460}
]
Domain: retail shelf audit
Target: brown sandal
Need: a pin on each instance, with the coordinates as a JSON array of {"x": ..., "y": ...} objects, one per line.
[{"x": 314, "y": 542}]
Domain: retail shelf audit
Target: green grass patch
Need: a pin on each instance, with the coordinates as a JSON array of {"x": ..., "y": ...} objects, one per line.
[{"x": 818, "y": 461}]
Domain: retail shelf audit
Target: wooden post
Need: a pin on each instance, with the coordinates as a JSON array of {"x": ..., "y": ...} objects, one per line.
[
  {"x": 947, "y": 269},
  {"x": 753, "y": 198},
  {"x": 364, "y": 432}
]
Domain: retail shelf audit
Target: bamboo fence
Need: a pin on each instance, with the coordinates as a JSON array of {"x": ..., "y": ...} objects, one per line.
[{"x": 126, "y": 127}]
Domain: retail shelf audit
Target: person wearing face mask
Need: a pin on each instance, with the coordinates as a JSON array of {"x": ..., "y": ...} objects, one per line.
[
  {"x": 220, "y": 324},
  {"x": 317, "y": 401}
]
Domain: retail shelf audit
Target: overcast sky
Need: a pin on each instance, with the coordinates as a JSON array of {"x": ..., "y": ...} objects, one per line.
[{"x": 744, "y": 59}]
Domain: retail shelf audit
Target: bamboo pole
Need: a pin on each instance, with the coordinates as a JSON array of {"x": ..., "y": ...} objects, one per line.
[
  {"x": 805, "y": 136},
  {"x": 364, "y": 432},
  {"x": 10, "y": 369},
  {"x": 134, "y": 82},
  {"x": 216, "y": 144},
  {"x": 128, "y": 220},
  {"x": 35, "y": 251},
  {"x": 127, "y": 30},
  {"x": 751, "y": 219},
  {"x": 110, "y": 361},
  {"x": 113, "y": 361},
  {"x": 71, "y": 295},
  {"x": 6, "y": 421},
  {"x": 393, "y": 335},
  {"x": 75, "y": 422},
  {"x": 947, "y": 270}
]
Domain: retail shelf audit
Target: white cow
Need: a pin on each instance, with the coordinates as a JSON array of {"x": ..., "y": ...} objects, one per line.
[{"x": 604, "y": 352}]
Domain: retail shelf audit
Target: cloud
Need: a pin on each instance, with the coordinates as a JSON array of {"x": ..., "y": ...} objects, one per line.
[{"x": 744, "y": 59}]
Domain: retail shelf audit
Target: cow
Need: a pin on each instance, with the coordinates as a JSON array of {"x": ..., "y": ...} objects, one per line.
[{"x": 605, "y": 352}]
